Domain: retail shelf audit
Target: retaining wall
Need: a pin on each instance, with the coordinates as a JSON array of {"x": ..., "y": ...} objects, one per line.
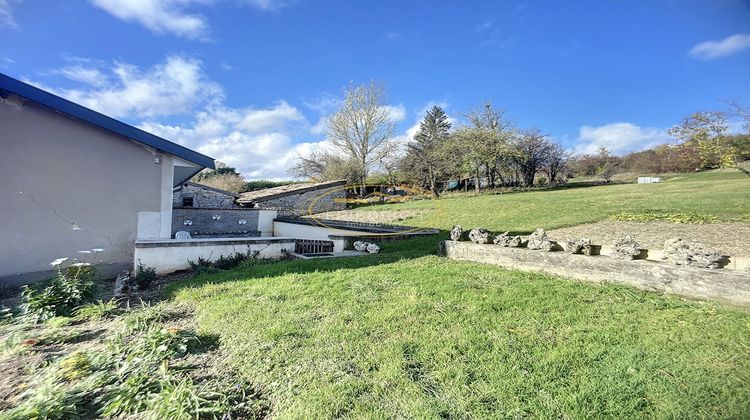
[{"x": 727, "y": 286}]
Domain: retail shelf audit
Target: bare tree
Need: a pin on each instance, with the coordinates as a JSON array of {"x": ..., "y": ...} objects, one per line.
[
  {"x": 557, "y": 160},
  {"x": 362, "y": 127},
  {"x": 324, "y": 166},
  {"x": 533, "y": 152}
]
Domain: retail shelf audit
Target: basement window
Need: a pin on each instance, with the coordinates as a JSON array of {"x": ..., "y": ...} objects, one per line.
[{"x": 187, "y": 201}]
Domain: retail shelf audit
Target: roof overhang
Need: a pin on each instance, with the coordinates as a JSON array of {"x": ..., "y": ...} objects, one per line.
[{"x": 74, "y": 110}]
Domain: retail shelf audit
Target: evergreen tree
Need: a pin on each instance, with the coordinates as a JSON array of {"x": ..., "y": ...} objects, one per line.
[{"x": 425, "y": 152}]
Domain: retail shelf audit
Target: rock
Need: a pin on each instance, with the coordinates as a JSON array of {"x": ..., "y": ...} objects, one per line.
[
  {"x": 360, "y": 246},
  {"x": 539, "y": 240},
  {"x": 457, "y": 233},
  {"x": 502, "y": 239},
  {"x": 372, "y": 248},
  {"x": 694, "y": 253},
  {"x": 479, "y": 236},
  {"x": 626, "y": 248},
  {"x": 122, "y": 284},
  {"x": 581, "y": 246},
  {"x": 517, "y": 242}
]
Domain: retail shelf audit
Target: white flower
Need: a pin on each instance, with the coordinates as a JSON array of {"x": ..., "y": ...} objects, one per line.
[
  {"x": 97, "y": 249},
  {"x": 58, "y": 261},
  {"x": 80, "y": 264},
  {"x": 85, "y": 251}
]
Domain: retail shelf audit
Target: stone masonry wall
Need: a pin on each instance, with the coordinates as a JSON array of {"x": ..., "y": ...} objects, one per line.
[
  {"x": 203, "y": 198},
  {"x": 211, "y": 223},
  {"x": 330, "y": 199}
]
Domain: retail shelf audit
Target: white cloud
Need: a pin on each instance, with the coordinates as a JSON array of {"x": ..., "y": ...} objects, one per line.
[
  {"x": 88, "y": 75},
  {"x": 710, "y": 50},
  {"x": 159, "y": 15},
  {"x": 6, "y": 14},
  {"x": 176, "y": 86},
  {"x": 397, "y": 113},
  {"x": 619, "y": 138}
]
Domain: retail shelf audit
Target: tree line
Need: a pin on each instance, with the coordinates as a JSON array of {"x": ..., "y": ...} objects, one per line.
[{"x": 486, "y": 149}]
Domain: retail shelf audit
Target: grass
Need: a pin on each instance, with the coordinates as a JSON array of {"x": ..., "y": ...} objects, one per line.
[
  {"x": 711, "y": 196},
  {"x": 407, "y": 334}
]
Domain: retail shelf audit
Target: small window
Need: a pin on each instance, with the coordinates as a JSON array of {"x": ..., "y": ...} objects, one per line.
[{"x": 187, "y": 201}]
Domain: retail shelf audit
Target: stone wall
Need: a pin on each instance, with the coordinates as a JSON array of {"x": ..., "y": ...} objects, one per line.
[
  {"x": 203, "y": 197},
  {"x": 728, "y": 286},
  {"x": 330, "y": 199},
  {"x": 210, "y": 223}
]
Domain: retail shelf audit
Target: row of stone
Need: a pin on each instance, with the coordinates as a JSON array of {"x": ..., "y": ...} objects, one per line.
[
  {"x": 369, "y": 247},
  {"x": 676, "y": 250}
]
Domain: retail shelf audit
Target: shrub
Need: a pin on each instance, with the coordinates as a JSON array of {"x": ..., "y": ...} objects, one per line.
[
  {"x": 59, "y": 296},
  {"x": 144, "y": 276},
  {"x": 98, "y": 310}
]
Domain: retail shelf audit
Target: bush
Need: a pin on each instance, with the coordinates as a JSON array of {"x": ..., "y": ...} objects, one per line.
[
  {"x": 98, "y": 310},
  {"x": 144, "y": 276},
  {"x": 225, "y": 262},
  {"x": 59, "y": 296}
]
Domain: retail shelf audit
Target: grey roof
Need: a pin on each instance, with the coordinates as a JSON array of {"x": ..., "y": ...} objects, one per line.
[
  {"x": 286, "y": 190},
  {"x": 206, "y": 187},
  {"x": 64, "y": 106}
]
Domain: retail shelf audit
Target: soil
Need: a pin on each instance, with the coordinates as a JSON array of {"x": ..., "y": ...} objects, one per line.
[{"x": 730, "y": 238}]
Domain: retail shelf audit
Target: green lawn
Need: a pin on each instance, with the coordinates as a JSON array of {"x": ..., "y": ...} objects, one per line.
[
  {"x": 724, "y": 195},
  {"x": 404, "y": 334},
  {"x": 407, "y": 334}
]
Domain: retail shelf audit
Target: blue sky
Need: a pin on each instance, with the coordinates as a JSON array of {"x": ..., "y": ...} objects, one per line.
[{"x": 250, "y": 82}]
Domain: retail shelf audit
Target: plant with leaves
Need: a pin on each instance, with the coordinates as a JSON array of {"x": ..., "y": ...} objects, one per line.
[{"x": 703, "y": 131}]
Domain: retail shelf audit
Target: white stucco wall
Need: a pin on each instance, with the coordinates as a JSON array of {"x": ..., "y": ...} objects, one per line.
[
  {"x": 174, "y": 255},
  {"x": 68, "y": 186},
  {"x": 299, "y": 231}
]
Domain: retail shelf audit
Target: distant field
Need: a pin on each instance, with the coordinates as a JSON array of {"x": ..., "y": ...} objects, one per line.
[{"x": 717, "y": 195}]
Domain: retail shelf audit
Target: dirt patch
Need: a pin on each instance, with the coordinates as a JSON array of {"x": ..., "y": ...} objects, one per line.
[
  {"x": 384, "y": 216},
  {"x": 729, "y": 238}
]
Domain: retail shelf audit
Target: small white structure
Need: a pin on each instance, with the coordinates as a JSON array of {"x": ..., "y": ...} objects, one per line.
[{"x": 648, "y": 180}]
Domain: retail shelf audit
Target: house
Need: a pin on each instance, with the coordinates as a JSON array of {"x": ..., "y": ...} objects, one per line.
[
  {"x": 191, "y": 195},
  {"x": 208, "y": 212},
  {"x": 75, "y": 183},
  {"x": 298, "y": 199}
]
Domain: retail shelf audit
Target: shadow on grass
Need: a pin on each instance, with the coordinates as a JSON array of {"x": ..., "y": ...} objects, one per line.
[{"x": 391, "y": 251}]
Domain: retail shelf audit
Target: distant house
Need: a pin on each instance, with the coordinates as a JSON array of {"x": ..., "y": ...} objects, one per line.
[
  {"x": 298, "y": 199},
  {"x": 191, "y": 195},
  {"x": 73, "y": 180}
]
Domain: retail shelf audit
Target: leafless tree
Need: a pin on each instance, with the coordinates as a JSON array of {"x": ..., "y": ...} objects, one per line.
[
  {"x": 557, "y": 159},
  {"x": 361, "y": 128},
  {"x": 533, "y": 153},
  {"x": 324, "y": 166}
]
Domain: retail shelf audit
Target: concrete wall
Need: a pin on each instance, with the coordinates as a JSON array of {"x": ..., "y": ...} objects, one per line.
[
  {"x": 67, "y": 186},
  {"x": 728, "y": 286},
  {"x": 168, "y": 256},
  {"x": 300, "y": 231},
  {"x": 330, "y": 199},
  {"x": 203, "y": 198}
]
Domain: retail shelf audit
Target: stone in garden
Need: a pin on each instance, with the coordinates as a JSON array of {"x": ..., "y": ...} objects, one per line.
[
  {"x": 517, "y": 242},
  {"x": 580, "y": 246},
  {"x": 502, "y": 239},
  {"x": 372, "y": 248},
  {"x": 626, "y": 248},
  {"x": 479, "y": 236},
  {"x": 539, "y": 240},
  {"x": 361, "y": 246},
  {"x": 122, "y": 284},
  {"x": 680, "y": 252},
  {"x": 457, "y": 233}
]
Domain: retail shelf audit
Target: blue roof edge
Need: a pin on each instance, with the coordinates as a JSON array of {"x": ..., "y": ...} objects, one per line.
[{"x": 90, "y": 116}]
